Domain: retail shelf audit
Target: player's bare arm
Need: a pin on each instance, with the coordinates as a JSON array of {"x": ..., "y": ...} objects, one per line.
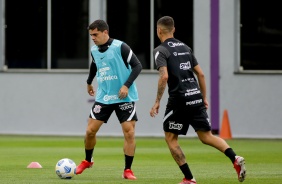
[
  {"x": 162, "y": 82},
  {"x": 163, "y": 77},
  {"x": 202, "y": 83}
]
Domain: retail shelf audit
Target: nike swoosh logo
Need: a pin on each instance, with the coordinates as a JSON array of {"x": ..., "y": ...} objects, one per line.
[{"x": 102, "y": 57}]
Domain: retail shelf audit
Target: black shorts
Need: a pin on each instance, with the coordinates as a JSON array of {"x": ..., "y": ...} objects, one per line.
[
  {"x": 178, "y": 119},
  {"x": 124, "y": 111}
]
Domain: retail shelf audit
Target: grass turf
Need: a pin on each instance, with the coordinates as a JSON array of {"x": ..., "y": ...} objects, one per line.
[{"x": 152, "y": 164}]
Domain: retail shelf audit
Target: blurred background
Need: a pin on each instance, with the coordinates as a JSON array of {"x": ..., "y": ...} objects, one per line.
[{"x": 45, "y": 57}]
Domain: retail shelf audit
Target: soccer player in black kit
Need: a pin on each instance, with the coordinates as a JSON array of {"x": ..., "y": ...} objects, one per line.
[{"x": 187, "y": 102}]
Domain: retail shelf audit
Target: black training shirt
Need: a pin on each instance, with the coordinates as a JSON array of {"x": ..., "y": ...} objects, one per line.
[{"x": 180, "y": 61}]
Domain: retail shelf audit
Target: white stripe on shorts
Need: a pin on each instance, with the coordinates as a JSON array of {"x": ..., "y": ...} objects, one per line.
[
  {"x": 132, "y": 114},
  {"x": 92, "y": 115},
  {"x": 168, "y": 114}
]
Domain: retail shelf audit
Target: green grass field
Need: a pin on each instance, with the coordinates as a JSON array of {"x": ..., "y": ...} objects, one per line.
[{"x": 153, "y": 163}]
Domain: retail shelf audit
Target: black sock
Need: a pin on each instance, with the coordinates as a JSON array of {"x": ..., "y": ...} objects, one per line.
[
  {"x": 186, "y": 171},
  {"x": 230, "y": 154},
  {"x": 88, "y": 154},
  {"x": 128, "y": 161}
]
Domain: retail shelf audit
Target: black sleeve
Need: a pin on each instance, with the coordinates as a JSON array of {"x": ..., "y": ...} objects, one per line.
[
  {"x": 161, "y": 54},
  {"x": 130, "y": 58},
  {"x": 92, "y": 73}
]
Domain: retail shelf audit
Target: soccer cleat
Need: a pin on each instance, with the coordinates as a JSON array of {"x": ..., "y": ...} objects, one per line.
[
  {"x": 185, "y": 181},
  {"x": 82, "y": 166},
  {"x": 239, "y": 165},
  {"x": 128, "y": 174}
]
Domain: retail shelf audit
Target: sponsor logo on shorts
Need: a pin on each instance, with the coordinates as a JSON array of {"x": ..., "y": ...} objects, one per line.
[
  {"x": 191, "y": 92},
  {"x": 126, "y": 106},
  {"x": 194, "y": 102},
  {"x": 185, "y": 66},
  {"x": 110, "y": 97},
  {"x": 175, "y": 126},
  {"x": 97, "y": 109}
]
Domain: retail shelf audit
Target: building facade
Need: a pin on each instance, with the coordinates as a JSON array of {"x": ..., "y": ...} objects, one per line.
[{"x": 44, "y": 49}]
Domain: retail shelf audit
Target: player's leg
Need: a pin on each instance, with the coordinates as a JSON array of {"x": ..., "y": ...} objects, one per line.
[
  {"x": 174, "y": 147},
  {"x": 203, "y": 129},
  {"x": 208, "y": 138},
  {"x": 174, "y": 126},
  {"x": 90, "y": 136},
  {"x": 200, "y": 123},
  {"x": 179, "y": 157},
  {"x": 99, "y": 114},
  {"x": 220, "y": 144},
  {"x": 126, "y": 113},
  {"x": 89, "y": 143},
  {"x": 128, "y": 128}
]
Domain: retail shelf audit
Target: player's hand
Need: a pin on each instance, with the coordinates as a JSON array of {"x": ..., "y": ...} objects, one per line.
[
  {"x": 123, "y": 92},
  {"x": 155, "y": 109},
  {"x": 90, "y": 90}
]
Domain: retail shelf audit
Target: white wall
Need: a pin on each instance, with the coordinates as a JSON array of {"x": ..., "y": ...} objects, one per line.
[
  {"x": 202, "y": 37},
  {"x": 252, "y": 100},
  {"x": 58, "y": 104}
]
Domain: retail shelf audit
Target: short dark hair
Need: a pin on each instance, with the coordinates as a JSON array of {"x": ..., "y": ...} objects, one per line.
[
  {"x": 167, "y": 22},
  {"x": 101, "y": 25}
]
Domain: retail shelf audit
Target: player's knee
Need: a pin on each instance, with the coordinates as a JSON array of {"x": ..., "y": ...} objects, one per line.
[
  {"x": 204, "y": 141},
  {"x": 129, "y": 135},
  {"x": 205, "y": 137},
  {"x": 90, "y": 132}
]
